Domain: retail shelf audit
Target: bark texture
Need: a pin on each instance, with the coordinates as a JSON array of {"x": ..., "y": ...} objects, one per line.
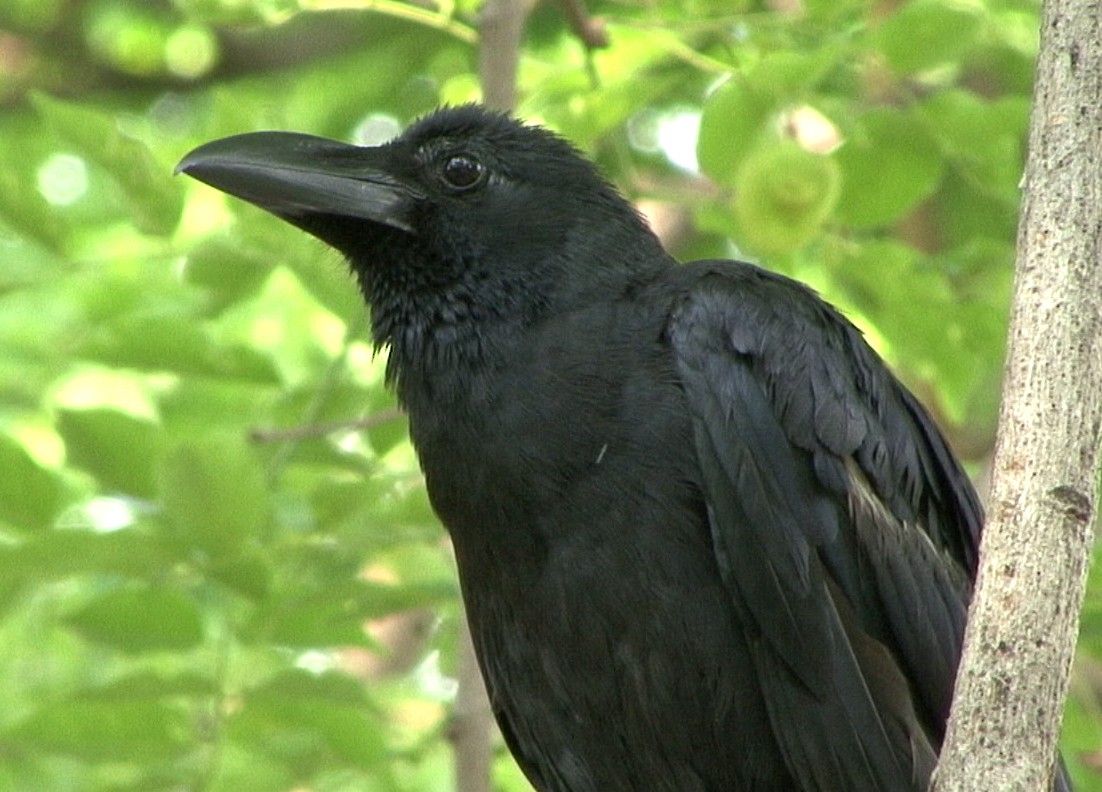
[{"x": 1021, "y": 635}]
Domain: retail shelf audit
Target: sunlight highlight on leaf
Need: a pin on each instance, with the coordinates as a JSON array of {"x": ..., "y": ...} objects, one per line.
[
  {"x": 63, "y": 179},
  {"x": 93, "y": 386}
]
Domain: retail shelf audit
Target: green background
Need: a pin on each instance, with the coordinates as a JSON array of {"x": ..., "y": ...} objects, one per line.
[{"x": 218, "y": 568}]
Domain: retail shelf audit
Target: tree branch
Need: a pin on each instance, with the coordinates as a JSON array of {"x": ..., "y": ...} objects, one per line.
[
  {"x": 501, "y": 28},
  {"x": 1022, "y": 626},
  {"x": 589, "y": 29},
  {"x": 260, "y": 435}
]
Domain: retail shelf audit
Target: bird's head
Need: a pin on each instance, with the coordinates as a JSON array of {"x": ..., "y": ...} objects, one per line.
[{"x": 468, "y": 218}]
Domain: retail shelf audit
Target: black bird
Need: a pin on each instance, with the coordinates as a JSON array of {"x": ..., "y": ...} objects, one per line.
[{"x": 706, "y": 541}]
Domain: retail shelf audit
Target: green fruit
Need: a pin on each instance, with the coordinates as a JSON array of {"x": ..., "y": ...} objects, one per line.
[{"x": 783, "y": 193}]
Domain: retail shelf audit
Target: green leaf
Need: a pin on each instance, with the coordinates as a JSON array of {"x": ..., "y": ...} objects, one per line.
[
  {"x": 1009, "y": 52},
  {"x": 153, "y": 685},
  {"x": 28, "y": 214},
  {"x": 889, "y": 164},
  {"x": 52, "y": 555},
  {"x": 734, "y": 119},
  {"x": 336, "y": 499},
  {"x": 175, "y": 343},
  {"x": 104, "y": 731},
  {"x": 299, "y": 685},
  {"x": 214, "y": 493},
  {"x": 740, "y": 113},
  {"x": 384, "y": 600},
  {"x": 385, "y": 435},
  {"x": 329, "y": 618},
  {"x": 935, "y": 333},
  {"x": 30, "y": 495},
  {"x": 117, "y": 448},
  {"x": 155, "y": 201},
  {"x": 334, "y": 615},
  {"x": 788, "y": 74},
  {"x": 229, "y": 270},
  {"x": 968, "y": 214},
  {"x": 250, "y": 574},
  {"x": 984, "y": 139},
  {"x": 140, "y": 619},
  {"x": 318, "y": 268},
  {"x": 923, "y": 34},
  {"x": 241, "y": 770},
  {"x": 304, "y": 719}
]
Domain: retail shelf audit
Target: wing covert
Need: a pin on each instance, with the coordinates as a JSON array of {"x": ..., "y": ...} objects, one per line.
[{"x": 843, "y": 527}]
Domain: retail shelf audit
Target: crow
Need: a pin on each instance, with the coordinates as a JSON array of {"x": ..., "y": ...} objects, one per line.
[{"x": 706, "y": 541}]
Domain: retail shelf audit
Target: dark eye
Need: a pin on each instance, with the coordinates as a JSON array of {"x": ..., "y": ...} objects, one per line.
[{"x": 462, "y": 172}]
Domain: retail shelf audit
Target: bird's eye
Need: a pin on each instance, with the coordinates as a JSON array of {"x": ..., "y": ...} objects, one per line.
[{"x": 462, "y": 172}]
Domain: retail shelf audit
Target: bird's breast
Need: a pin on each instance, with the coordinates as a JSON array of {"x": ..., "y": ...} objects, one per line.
[{"x": 569, "y": 483}]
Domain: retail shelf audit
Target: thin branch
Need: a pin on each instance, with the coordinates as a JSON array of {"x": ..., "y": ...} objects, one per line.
[
  {"x": 259, "y": 435},
  {"x": 677, "y": 48},
  {"x": 591, "y": 30},
  {"x": 412, "y": 13}
]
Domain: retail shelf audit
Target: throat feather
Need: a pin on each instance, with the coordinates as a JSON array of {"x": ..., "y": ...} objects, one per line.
[{"x": 435, "y": 334}]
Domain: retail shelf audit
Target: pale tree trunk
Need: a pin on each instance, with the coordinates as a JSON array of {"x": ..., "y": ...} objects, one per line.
[
  {"x": 501, "y": 28},
  {"x": 1021, "y": 634}
]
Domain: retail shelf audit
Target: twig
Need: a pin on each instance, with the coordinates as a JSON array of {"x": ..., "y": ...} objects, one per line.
[
  {"x": 259, "y": 435},
  {"x": 677, "y": 48},
  {"x": 590, "y": 30},
  {"x": 421, "y": 16}
]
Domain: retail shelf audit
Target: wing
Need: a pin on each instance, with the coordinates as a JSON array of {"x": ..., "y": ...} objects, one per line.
[{"x": 845, "y": 531}]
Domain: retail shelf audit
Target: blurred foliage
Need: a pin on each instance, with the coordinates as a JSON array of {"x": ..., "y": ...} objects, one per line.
[{"x": 200, "y": 589}]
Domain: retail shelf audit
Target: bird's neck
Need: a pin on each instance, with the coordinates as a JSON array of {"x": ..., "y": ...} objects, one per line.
[
  {"x": 440, "y": 336},
  {"x": 447, "y": 324}
]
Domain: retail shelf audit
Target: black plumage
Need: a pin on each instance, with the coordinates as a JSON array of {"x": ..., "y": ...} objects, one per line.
[{"x": 706, "y": 541}]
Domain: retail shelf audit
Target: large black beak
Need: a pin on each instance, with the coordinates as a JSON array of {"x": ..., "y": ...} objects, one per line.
[{"x": 299, "y": 176}]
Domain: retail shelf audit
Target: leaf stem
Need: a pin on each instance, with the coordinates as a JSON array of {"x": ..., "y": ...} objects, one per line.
[{"x": 422, "y": 16}]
